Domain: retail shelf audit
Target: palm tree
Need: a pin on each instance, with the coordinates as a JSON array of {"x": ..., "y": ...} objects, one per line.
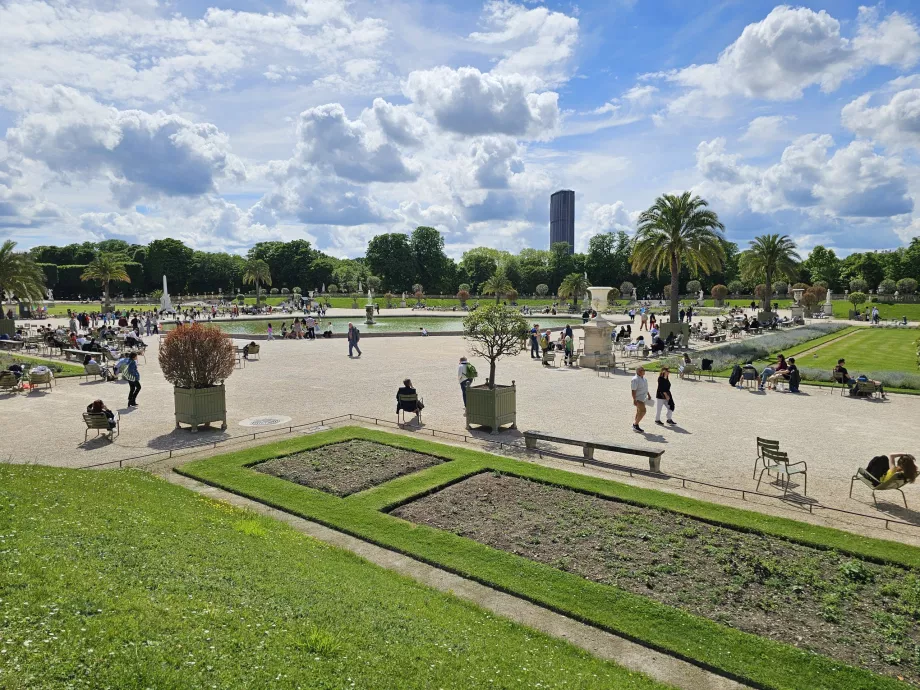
[
  {"x": 497, "y": 285},
  {"x": 574, "y": 286},
  {"x": 20, "y": 275},
  {"x": 769, "y": 257},
  {"x": 678, "y": 230},
  {"x": 257, "y": 272},
  {"x": 106, "y": 267}
]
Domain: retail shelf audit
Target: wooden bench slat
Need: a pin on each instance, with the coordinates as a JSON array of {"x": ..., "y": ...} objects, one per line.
[{"x": 654, "y": 456}]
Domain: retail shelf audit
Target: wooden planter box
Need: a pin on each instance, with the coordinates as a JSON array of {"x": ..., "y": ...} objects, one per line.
[
  {"x": 491, "y": 407},
  {"x": 196, "y": 406},
  {"x": 7, "y": 326}
]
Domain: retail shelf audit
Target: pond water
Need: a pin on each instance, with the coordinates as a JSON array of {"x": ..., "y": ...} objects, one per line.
[{"x": 384, "y": 324}]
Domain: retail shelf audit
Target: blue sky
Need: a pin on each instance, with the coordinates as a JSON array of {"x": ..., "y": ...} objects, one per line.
[{"x": 227, "y": 124}]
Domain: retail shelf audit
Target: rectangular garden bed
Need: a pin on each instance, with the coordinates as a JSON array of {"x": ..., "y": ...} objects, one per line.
[
  {"x": 816, "y": 599},
  {"x": 349, "y": 467}
]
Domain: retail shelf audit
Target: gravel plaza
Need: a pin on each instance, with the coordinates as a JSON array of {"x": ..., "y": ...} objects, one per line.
[{"x": 305, "y": 381}]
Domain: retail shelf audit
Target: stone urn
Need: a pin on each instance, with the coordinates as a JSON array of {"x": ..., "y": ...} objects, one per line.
[{"x": 599, "y": 298}]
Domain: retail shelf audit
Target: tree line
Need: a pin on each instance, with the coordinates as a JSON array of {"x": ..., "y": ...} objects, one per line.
[{"x": 679, "y": 245}]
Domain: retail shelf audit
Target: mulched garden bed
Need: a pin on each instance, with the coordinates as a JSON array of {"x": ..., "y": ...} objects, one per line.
[
  {"x": 845, "y": 608},
  {"x": 349, "y": 467}
]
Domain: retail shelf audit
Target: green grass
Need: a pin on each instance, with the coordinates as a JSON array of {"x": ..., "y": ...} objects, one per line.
[
  {"x": 764, "y": 662},
  {"x": 120, "y": 592},
  {"x": 60, "y": 369},
  {"x": 886, "y": 311},
  {"x": 784, "y": 303},
  {"x": 872, "y": 349}
]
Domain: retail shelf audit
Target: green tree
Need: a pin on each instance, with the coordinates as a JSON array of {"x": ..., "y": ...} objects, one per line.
[
  {"x": 887, "y": 287},
  {"x": 865, "y": 266},
  {"x": 675, "y": 231},
  {"x": 104, "y": 268},
  {"x": 479, "y": 265},
  {"x": 391, "y": 257},
  {"x": 430, "y": 260},
  {"x": 907, "y": 286},
  {"x": 258, "y": 273},
  {"x": 561, "y": 264},
  {"x": 497, "y": 285},
  {"x": 858, "y": 285},
  {"x": 769, "y": 257},
  {"x": 858, "y": 298},
  {"x": 694, "y": 287},
  {"x": 736, "y": 287},
  {"x": 542, "y": 289},
  {"x": 574, "y": 286},
  {"x": 824, "y": 265},
  {"x": 495, "y": 331},
  {"x": 607, "y": 261},
  {"x": 171, "y": 258},
  {"x": 20, "y": 274}
]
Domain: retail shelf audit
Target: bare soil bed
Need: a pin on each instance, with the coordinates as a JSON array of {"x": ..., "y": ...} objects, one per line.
[
  {"x": 858, "y": 612},
  {"x": 346, "y": 468}
]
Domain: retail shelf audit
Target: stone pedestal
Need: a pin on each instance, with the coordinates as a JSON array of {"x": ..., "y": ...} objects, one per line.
[{"x": 597, "y": 339}]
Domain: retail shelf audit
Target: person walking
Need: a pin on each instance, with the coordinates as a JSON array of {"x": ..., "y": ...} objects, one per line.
[
  {"x": 466, "y": 372},
  {"x": 354, "y": 335},
  {"x": 271, "y": 333},
  {"x": 643, "y": 320},
  {"x": 640, "y": 394},
  {"x": 534, "y": 345},
  {"x": 133, "y": 377},
  {"x": 663, "y": 397}
]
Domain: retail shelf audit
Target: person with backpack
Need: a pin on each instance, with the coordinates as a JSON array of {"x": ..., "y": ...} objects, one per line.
[
  {"x": 354, "y": 335},
  {"x": 133, "y": 377},
  {"x": 466, "y": 372}
]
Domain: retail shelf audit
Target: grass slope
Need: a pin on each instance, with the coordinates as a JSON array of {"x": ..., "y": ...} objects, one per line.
[
  {"x": 886, "y": 311},
  {"x": 117, "y": 579},
  {"x": 761, "y": 661},
  {"x": 872, "y": 349},
  {"x": 60, "y": 369}
]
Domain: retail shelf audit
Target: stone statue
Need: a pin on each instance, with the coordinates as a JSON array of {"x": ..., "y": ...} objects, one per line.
[
  {"x": 360, "y": 289},
  {"x": 165, "y": 302},
  {"x": 324, "y": 288},
  {"x": 701, "y": 295},
  {"x": 50, "y": 295}
]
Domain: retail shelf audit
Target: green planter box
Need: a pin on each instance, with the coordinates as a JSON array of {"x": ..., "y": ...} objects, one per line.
[
  {"x": 196, "y": 406},
  {"x": 493, "y": 407},
  {"x": 7, "y": 326}
]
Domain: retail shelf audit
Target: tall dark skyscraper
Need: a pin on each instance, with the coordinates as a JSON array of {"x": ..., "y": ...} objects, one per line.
[{"x": 562, "y": 218}]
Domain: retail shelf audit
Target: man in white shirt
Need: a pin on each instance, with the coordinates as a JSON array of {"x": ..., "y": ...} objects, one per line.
[
  {"x": 463, "y": 375},
  {"x": 640, "y": 394}
]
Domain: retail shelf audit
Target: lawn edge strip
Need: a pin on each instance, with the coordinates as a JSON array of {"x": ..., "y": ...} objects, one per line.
[{"x": 705, "y": 643}]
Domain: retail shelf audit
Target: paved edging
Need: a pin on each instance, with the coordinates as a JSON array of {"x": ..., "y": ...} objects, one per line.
[{"x": 604, "y": 645}]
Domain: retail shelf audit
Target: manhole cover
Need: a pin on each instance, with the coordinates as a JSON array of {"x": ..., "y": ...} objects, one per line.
[{"x": 266, "y": 420}]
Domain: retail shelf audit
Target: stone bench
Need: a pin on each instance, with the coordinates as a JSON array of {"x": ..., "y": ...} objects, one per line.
[{"x": 588, "y": 447}]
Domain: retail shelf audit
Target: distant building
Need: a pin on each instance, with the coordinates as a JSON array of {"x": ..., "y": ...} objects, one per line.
[{"x": 562, "y": 218}]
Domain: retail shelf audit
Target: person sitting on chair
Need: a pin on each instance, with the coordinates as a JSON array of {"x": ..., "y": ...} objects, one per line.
[
  {"x": 657, "y": 344},
  {"x": 247, "y": 348},
  {"x": 671, "y": 341},
  {"x": 683, "y": 365},
  {"x": 90, "y": 361},
  {"x": 884, "y": 468},
  {"x": 415, "y": 406},
  {"x": 98, "y": 407}
]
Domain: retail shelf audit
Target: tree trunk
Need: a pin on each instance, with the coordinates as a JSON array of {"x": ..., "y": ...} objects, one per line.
[
  {"x": 492, "y": 373},
  {"x": 675, "y": 288},
  {"x": 767, "y": 291}
]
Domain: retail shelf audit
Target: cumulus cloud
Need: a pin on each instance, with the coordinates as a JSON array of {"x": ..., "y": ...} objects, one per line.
[
  {"x": 767, "y": 128},
  {"x": 792, "y": 49},
  {"x": 144, "y": 155},
  {"x": 327, "y": 139},
  {"x": 467, "y": 101},
  {"x": 852, "y": 182},
  {"x": 895, "y": 123},
  {"x": 535, "y": 43},
  {"x": 131, "y": 53},
  {"x": 495, "y": 160}
]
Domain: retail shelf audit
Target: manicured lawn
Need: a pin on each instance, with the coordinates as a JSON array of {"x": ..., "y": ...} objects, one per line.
[
  {"x": 765, "y": 662},
  {"x": 872, "y": 349},
  {"x": 886, "y": 311},
  {"x": 117, "y": 579},
  {"x": 784, "y": 303},
  {"x": 60, "y": 369}
]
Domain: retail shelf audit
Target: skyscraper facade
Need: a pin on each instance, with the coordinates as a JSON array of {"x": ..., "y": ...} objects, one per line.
[{"x": 562, "y": 218}]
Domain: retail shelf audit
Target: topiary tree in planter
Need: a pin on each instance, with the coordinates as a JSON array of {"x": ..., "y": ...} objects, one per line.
[
  {"x": 907, "y": 286},
  {"x": 493, "y": 331},
  {"x": 694, "y": 287},
  {"x": 857, "y": 298},
  {"x": 626, "y": 289},
  {"x": 736, "y": 287},
  {"x": 858, "y": 285},
  {"x": 613, "y": 296},
  {"x": 389, "y": 299},
  {"x": 887, "y": 287},
  {"x": 197, "y": 360},
  {"x": 463, "y": 296},
  {"x": 542, "y": 289},
  {"x": 719, "y": 293}
]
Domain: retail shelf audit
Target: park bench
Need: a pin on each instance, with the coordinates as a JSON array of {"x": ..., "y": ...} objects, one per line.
[
  {"x": 588, "y": 447},
  {"x": 11, "y": 344},
  {"x": 71, "y": 353}
]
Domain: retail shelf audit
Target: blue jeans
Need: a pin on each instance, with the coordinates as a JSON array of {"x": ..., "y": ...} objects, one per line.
[
  {"x": 464, "y": 384},
  {"x": 765, "y": 374},
  {"x": 353, "y": 345}
]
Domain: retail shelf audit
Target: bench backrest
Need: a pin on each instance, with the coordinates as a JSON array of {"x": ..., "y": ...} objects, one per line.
[{"x": 96, "y": 420}]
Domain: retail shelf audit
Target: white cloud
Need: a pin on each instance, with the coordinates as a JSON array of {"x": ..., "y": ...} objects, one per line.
[
  {"x": 327, "y": 139},
  {"x": 534, "y": 43},
  {"x": 466, "y": 101},
  {"x": 132, "y": 54},
  {"x": 853, "y": 182},
  {"x": 895, "y": 123},
  {"x": 599, "y": 218},
  {"x": 767, "y": 128},
  {"x": 143, "y": 155},
  {"x": 792, "y": 49}
]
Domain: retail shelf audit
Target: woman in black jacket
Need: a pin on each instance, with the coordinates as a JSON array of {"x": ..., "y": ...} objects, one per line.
[{"x": 663, "y": 397}]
